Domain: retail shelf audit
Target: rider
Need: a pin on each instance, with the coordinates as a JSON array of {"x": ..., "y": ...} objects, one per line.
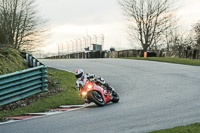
[{"x": 82, "y": 78}]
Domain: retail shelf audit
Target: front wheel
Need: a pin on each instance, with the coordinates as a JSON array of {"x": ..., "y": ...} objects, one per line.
[
  {"x": 97, "y": 98},
  {"x": 115, "y": 98}
]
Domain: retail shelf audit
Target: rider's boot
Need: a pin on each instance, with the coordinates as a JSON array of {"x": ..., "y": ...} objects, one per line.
[{"x": 110, "y": 89}]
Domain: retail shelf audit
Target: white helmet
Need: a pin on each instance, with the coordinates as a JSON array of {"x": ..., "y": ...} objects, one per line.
[{"x": 79, "y": 73}]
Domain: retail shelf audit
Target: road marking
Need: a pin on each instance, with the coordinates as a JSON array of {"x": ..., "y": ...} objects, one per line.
[
  {"x": 60, "y": 109},
  {"x": 20, "y": 117},
  {"x": 43, "y": 114},
  {"x": 71, "y": 106}
]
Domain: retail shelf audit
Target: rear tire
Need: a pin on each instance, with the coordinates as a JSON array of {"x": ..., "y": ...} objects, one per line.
[
  {"x": 97, "y": 98},
  {"x": 115, "y": 97}
]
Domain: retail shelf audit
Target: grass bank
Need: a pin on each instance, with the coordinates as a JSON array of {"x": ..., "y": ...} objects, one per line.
[
  {"x": 169, "y": 60},
  {"x": 11, "y": 61},
  {"x": 68, "y": 95},
  {"x": 194, "y": 128}
]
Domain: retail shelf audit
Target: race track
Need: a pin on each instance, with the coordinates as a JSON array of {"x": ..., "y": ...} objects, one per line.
[{"x": 153, "y": 96}]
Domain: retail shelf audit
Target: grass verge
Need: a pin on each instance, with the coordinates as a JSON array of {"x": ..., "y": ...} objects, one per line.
[
  {"x": 169, "y": 60},
  {"x": 11, "y": 61},
  {"x": 68, "y": 96},
  {"x": 194, "y": 128}
]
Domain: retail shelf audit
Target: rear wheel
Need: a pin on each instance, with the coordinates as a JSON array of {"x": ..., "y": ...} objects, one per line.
[
  {"x": 115, "y": 97},
  {"x": 97, "y": 98}
]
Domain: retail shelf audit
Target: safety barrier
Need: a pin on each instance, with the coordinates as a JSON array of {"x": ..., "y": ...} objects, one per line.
[
  {"x": 189, "y": 54},
  {"x": 107, "y": 54},
  {"x": 32, "y": 62},
  {"x": 22, "y": 84}
]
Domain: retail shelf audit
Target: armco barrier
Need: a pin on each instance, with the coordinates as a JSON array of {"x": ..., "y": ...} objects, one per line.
[
  {"x": 32, "y": 62},
  {"x": 22, "y": 84}
]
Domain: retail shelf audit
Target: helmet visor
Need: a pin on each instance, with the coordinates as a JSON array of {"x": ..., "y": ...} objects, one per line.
[{"x": 79, "y": 75}]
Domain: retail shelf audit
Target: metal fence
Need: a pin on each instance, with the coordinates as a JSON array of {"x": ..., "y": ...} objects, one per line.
[
  {"x": 32, "y": 61},
  {"x": 189, "y": 54},
  {"x": 80, "y": 44},
  {"x": 22, "y": 84}
]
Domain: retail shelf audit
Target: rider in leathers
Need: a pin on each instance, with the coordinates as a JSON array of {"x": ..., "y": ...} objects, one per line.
[{"x": 82, "y": 78}]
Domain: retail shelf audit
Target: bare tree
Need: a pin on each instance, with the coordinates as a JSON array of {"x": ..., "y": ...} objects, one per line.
[
  {"x": 178, "y": 43},
  {"x": 20, "y": 25},
  {"x": 147, "y": 19},
  {"x": 191, "y": 39},
  {"x": 197, "y": 35}
]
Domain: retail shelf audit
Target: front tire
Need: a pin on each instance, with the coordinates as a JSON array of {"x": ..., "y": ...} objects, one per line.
[
  {"x": 97, "y": 98},
  {"x": 115, "y": 97}
]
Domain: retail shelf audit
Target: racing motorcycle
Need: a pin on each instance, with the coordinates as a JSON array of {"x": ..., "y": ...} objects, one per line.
[{"x": 99, "y": 94}]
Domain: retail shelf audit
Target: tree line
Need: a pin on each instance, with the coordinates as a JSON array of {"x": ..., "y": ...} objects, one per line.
[
  {"x": 20, "y": 25},
  {"x": 154, "y": 25}
]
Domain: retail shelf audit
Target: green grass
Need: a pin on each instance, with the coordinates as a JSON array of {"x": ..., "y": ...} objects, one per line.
[
  {"x": 169, "y": 60},
  {"x": 194, "y": 128},
  {"x": 69, "y": 96},
  {"x": 11, "y": 61}
]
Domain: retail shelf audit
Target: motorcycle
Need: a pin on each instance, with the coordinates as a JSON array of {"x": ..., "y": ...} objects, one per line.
[{"x": 93, "y": 92}]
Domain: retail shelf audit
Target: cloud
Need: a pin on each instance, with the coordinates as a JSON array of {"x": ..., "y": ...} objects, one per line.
[
  {"x": 70, "y": 19},
  {"x": 85, "y": 12},
  {"x": 113, "y": 33},
  {"x": 189, "y": 12}
]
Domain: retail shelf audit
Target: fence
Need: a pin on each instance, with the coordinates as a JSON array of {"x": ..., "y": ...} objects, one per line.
[
  {"x": 104, "y": 54},
  {"x": 32, "y": 62},
  {"x": 78, "y": 45},
  {"x": 22, "y": 84},
  {"x": 190, "y": 54}
]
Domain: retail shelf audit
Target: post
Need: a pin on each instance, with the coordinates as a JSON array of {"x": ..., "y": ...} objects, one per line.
[
  {"x": 145, "y": 54},
  {"x": 34, "y": 63},
  {"x": 27, "y": 55},
  {"x": 38, "y": 63},
  {"x": 44, "y": 86},
  {"x": 31, "y": 60}
]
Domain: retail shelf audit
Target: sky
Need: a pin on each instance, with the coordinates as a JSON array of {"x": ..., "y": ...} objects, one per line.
[{"x": 74, "y": 19}]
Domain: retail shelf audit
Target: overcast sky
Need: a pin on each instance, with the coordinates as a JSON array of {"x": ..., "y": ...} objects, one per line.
[{"x": 71, "y": 19}]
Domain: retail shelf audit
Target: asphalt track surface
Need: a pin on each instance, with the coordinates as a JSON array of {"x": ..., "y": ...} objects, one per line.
[{"x": 153, "y": 96}]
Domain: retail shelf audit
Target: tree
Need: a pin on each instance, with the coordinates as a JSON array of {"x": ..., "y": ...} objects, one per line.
[
  {"x": 147, "y": 20},
  {"x": 20, "y": 25},
  {"x": 192, "y": 38},
  {"x": 197, "y": 35}
]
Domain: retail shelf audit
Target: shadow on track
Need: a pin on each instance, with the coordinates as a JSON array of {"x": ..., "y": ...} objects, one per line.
[{"x": 108, "y": 105}]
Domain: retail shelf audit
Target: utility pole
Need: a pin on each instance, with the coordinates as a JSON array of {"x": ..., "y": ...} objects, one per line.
[
  {"x": 62, "y": 47},
  {"x": 85, "y": 46},
  {"x": 76, "y": 45},
  {"x": 85, "y": 41},
  {"x": 95, "y": 39},
  {"x": 90, "y": 41},
  {"x": 58, "y": 49},
  {"x": 67, "y": 47},
  {"x": 102, "y": 41},
  {"x": 72, "y": 46},
  {"x": 80, "y": 45}
]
